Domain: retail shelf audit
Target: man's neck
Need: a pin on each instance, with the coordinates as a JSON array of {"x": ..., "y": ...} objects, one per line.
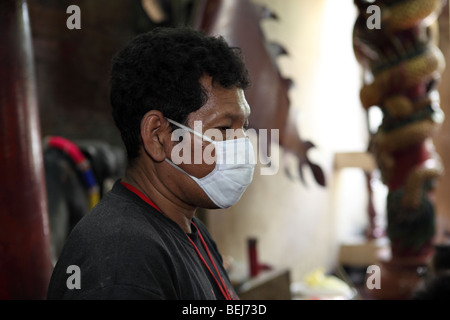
[{"x": 146, "y": 181}]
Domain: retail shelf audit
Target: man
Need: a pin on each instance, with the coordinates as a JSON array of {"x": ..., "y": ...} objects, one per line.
[{"x": 142, "y": 241}]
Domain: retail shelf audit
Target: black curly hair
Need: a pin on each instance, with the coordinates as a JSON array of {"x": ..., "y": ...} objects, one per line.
[{"x": 161, "y": 70}]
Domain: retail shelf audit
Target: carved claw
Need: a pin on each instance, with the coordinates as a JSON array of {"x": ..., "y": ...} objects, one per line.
[
  {"x": 276, "y": 49},
  {"x": 265, "y": 12}
]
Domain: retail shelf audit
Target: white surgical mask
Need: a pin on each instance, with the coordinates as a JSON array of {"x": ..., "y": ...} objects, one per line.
[{"x": 233, "y": 173}]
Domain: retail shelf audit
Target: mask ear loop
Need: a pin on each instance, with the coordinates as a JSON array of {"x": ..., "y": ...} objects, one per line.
[{"x": 198, "y": 134}]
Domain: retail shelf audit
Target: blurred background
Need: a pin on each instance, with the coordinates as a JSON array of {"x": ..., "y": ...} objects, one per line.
[{"x": 308, "y": 229}]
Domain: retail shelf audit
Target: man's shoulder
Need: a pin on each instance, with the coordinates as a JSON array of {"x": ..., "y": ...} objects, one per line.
[
  {"x": 120, "y": 226},
  {"x": 117, "y": 249},
  {"x": 116, "y": 214}
]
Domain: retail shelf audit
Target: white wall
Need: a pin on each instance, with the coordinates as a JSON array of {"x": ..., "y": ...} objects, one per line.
[{"x": 297, "y": 226}]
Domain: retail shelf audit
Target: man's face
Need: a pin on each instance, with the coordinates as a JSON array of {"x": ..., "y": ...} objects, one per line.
[{"x": 223, "y": 117}]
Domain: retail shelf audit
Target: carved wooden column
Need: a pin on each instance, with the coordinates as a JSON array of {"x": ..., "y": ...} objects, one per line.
[
  {"x": 442, "y": 141},
  {"x": 402, "y": 65},
  {"x": 25, "y": 264}
]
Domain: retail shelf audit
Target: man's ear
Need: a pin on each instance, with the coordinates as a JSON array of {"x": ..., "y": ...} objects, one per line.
[{"x": 155, "y": 133}]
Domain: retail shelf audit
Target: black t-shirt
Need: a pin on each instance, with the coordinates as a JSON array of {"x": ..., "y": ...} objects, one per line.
[{"x": 126, "y": 249}]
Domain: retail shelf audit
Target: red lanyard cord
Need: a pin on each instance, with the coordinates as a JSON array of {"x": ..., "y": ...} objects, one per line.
[
  {"x": 140, "y": 194},
  {"x": 221, "y": 285}
]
